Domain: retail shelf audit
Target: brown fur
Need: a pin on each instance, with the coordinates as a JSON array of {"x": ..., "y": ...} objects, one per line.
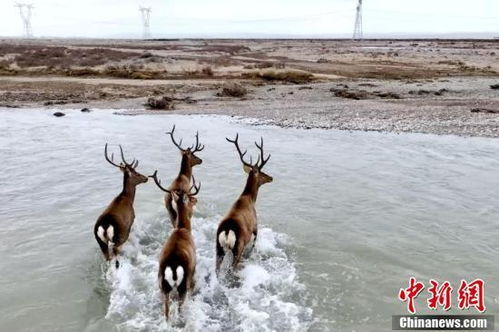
[
  {"x": 183, "y": 180},
  {"x": 242, "y": 218},
  {"x": 120, "y": 213},
  {"x": 179, "y": 250}
]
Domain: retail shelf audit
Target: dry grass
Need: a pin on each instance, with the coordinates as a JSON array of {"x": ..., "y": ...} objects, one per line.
[
  {"x": 26, "y": 56},
  {"x": 295, "y": 77},
  {"x": 207, "y": 71},
  {"x": 163, "y": 103},
  {"x": 218, "y": 48},
  {"x": 133, "y": 72},
  {"x": 83, "y": 72},
  {"x": 232, "y": 90}
]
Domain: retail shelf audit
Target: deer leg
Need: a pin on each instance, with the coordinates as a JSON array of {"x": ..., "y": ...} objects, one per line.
[
  {"x": 253, "y": 242},
  {"x": 116, "y": 251},
  {"x": 182, "y": 292},
  {"x": 237, "y": 253},
  {"x": 192, "y": 281},
  {"x": 220, "y": 257},
  {"x": 255, "y": 234},
  {"x": 104, "y": 249},
  {"x": 171, "y": 211},
  {"x": 166, "y": 307}
]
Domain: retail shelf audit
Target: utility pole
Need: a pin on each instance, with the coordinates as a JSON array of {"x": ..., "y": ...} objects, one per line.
[
  {"x": 25, "y": 10},
  {"x": 357, "y": 30},
  {"x": 146, "y": 19}
]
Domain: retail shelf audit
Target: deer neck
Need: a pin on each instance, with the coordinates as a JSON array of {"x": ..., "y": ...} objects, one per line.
[
  {"x": 251, "y": 188},
  {"x": 185, "y": 167},
  {"x": 128, "y": 188},
  {"x": 183, "y": 218}
]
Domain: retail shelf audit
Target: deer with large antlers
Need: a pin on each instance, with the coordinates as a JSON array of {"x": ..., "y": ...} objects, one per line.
[
  {"x": 177, "y": 262},
  {"x": 113, "y": 226},
  {"x": 183, "y": 180},
  {"x": 238, "y": 230}
]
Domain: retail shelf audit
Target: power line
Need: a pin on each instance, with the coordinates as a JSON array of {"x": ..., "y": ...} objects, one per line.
[
  {"x": 146, "y": 19},
  {"x": 25, "y": 10},
  {"x": 432, "y": 14}
]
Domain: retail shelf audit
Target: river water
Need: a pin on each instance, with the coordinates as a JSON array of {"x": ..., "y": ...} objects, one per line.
[{"x": 349, "y": 218}]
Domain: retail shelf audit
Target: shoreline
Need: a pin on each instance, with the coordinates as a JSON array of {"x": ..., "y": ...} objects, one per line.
[
  {"x": 316, "y": 106},
  {"x": 419, "y": 86}
]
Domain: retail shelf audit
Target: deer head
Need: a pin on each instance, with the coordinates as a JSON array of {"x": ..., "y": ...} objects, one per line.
[
  {"x": 254, "y": 170},
  {"x": 134, "y": 178},
  {"x": 188, "y": 153},
  {"x": 181, "y": 201}
]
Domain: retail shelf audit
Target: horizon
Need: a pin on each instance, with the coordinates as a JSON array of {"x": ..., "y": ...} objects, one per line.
[{"x": 262, "y": 36}]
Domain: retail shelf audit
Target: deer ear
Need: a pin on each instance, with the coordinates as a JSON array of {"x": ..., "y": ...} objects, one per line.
[{"x": 247, "y": 169}]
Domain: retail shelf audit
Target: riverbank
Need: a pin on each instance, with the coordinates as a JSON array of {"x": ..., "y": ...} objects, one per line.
[{"x": 425, "y": 86}]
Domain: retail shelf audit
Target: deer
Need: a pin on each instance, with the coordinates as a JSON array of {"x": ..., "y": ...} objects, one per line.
[
  {"x": 177, "y": 261},
  {"x": 237, "y": 231},
  {"x": 183, "y": 180},
  {"x": 113, "y": 225}
]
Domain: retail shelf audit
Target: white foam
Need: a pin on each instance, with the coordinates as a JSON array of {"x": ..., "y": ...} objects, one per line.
[{"x": 269, "y": 296}]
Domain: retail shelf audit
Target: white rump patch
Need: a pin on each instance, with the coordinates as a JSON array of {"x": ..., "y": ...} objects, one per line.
[
  {"x": 100, "y": 234},
  {"x": 174, "y": 205},
  {"x": 110, "y": 233},
  {"x": 227, "y": 241},
  {"x": 180, "y": 275},
  {"x": 169, "y": 276}
]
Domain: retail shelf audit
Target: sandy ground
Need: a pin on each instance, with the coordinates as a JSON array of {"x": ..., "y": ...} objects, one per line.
[{"x": 429, "y": 86}]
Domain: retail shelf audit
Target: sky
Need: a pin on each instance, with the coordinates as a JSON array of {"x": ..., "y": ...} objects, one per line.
[{"x": 266, "y": 18}]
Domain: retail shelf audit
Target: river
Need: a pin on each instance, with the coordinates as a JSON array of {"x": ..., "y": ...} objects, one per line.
[{"x": 349, "y": 218}]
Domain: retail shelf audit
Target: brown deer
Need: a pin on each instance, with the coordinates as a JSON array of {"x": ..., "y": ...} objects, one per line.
[
  {"x": 238, "y": 229},
  {"x": 177, "y": 261},
  {"x": 113, "y": 226},
  {"x": 183, "y": 180}
]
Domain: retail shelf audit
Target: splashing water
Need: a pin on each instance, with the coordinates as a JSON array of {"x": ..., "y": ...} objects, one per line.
[{"x": 266, "y": 298}]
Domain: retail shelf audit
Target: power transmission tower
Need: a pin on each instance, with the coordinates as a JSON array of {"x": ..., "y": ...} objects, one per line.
[
  {"x": 146, "y": 19},
  {"x": 25, "y": 12},
  {"x": 357, "y": 30}
]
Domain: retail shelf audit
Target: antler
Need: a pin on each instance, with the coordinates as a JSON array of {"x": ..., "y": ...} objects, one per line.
[
  {"x": 158, "y": 182},
  {"x": 197, "y": 147},
  {"x": 261, "y": 156},
  {"x": 107, "y": 157},
  {"x": 194, "y": 148},
  {"x": 178, "y": 145},
  {"x": 241, "y": 154},
  {"x": 195, "y": 187},
  {"x": 133, "y": 164}
]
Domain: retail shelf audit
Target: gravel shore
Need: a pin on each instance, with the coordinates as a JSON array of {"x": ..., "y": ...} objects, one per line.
[{"x": 436, "y": 87}]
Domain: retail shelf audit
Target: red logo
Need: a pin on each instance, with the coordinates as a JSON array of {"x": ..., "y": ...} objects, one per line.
[
  {"x": 468, "y": 295},
  {"x": 440, "y": 295},
  {"x": 472, "y": 295},
  {"x": 410, "y": 293}
]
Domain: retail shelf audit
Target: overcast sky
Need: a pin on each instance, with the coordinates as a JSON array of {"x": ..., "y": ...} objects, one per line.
[{"x": 121, "y": 18}]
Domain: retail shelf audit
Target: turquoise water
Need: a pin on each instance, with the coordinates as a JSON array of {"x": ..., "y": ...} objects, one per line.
[{"x": 349, "y": 218}]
